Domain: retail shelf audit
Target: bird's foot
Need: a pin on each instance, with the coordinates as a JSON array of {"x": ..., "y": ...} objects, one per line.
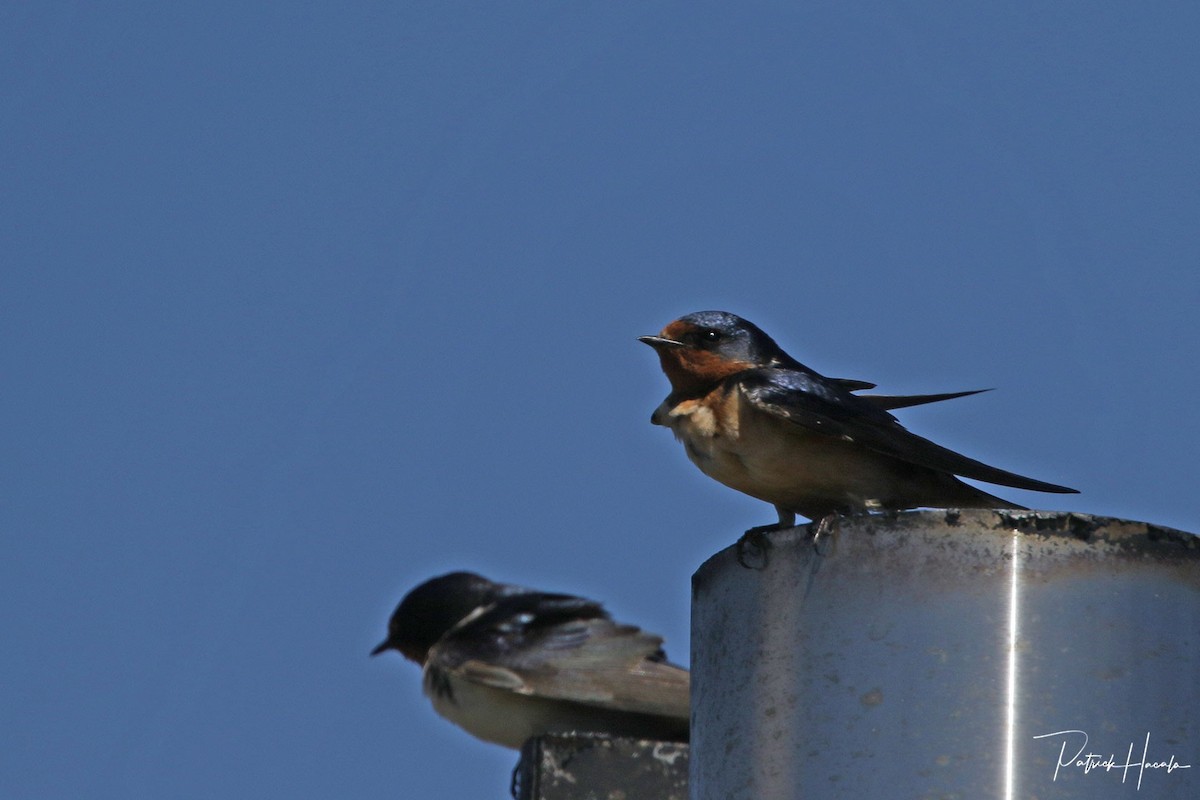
[
  {"x": 825, "y": 531},
  {"x": 753, "y": 546},
  {"x": 515, "y": 787}
]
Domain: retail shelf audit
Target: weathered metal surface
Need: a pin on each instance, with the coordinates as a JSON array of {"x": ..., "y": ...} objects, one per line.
[
  {"x": 597, "y": 767},
  {"x": 923, "y": 654}
]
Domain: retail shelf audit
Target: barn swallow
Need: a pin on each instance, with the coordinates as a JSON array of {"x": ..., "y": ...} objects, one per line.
[
  {"x": 507, "y": 663},
  {"x": 753, "y": 418}
]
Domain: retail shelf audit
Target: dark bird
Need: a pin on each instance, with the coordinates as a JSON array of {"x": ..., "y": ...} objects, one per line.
[
  {"x": 506, "y": 663},
  {"x": 753, "y": 418}
]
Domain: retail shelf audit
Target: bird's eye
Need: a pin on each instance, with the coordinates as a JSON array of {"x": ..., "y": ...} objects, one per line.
[{"x": 711, "y": 336}]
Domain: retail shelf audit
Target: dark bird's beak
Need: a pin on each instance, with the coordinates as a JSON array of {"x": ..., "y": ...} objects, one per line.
[
  {"x": 660, "y": 342},
  {"x": 384, "y": 645}
]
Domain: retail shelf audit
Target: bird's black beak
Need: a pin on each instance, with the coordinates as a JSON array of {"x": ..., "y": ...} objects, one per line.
[
  {"x": 384, "y": 645},
  {"x": 660, "y": 342}
]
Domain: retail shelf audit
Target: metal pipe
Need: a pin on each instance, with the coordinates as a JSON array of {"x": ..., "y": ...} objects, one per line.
[{"x": 957, "y": 654}]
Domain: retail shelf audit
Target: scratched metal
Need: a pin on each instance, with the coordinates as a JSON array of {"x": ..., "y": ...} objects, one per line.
[
  {"x": 915, "y": 657},
  {"x": 587, "y": 766}
]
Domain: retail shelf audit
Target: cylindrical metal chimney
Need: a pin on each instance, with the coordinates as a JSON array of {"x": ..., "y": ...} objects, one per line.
[{"x": 950, "y": 654}]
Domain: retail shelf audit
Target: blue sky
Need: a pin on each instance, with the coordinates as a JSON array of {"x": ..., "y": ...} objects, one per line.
[{"x": 306, "y": 303}]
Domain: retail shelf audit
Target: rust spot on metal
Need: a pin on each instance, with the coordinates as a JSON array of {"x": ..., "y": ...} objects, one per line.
[{"x": 1080, "y": 526}]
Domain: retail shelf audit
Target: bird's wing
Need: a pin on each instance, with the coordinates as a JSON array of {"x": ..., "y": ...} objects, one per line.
[
  {"x": 851, "y": 385},
  {"x": 812, "y": 402},
  {"x": 889, "y": 402},
  {"x": 566, "y": 648}
]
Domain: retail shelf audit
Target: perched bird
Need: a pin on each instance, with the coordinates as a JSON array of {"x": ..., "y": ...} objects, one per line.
[
  {"x": 507, "y": 663},
  {"x": 753, "y": 418}
]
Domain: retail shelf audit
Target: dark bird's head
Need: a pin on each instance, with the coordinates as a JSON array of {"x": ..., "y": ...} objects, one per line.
[
  {"x": 429, "y": 611},
  {"x": 700, "y": 350}
]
